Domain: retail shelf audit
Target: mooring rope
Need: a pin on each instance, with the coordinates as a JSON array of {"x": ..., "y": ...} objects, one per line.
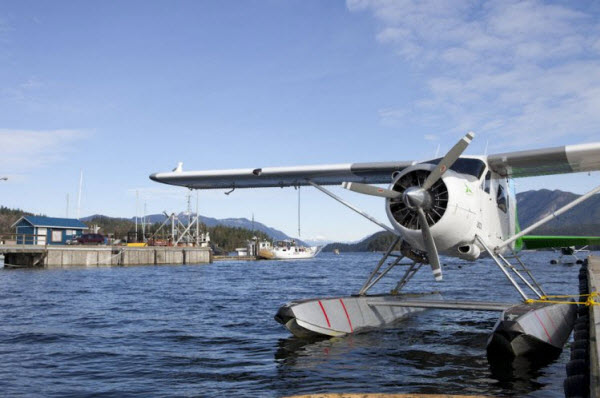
[{"x": 545, "y": 299}]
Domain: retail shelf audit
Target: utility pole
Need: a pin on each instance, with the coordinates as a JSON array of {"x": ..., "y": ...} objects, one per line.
[
  {"x": 144, "y": 223},
  {"x": 197, "y": 222},
  {"x": 137, "y": 198},
  {"x": 79, "y": 196}
]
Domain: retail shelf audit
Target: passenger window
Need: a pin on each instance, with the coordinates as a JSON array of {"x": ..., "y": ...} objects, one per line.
[
  {"x": 502, "y": 199},
  {"x": 487, "y": 183}
]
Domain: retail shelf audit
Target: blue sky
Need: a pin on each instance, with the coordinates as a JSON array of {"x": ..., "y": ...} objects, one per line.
[{"x": 124, "y": 89}]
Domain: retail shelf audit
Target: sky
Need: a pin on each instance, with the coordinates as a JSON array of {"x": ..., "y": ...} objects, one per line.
[{"x": 120, "y": 90}]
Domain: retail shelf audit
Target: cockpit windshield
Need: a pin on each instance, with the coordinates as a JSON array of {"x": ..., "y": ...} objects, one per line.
[{"x": 474, "y": 167}]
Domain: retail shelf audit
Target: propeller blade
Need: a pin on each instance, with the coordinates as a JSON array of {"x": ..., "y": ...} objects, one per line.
[
  {"x": 432, "y": 253},
  {"x": 448, "y": 160},
  {"x": 371, "y": 190}
]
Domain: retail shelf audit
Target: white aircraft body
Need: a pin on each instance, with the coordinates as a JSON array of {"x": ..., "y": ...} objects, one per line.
[{"x": 460, "y": 206}]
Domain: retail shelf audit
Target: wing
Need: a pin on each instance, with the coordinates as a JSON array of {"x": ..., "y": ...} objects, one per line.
[
  {"x": 542, "y": 242},
  {"x": 374, "y": 173},
  {"x": 564, "y": 159}
]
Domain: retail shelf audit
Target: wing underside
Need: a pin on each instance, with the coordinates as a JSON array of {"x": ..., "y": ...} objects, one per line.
[
  {"x": 558, "y": 160},
  {"x": 373, "y": 173}
]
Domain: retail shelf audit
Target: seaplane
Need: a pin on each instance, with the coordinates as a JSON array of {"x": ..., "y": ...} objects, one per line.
[{"x": 458, "y": 206}]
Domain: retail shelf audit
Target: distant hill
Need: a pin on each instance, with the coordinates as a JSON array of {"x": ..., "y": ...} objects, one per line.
[
  {"x": 535, "y": 205},
  {"x": 10, "y": 216},
  {"x": 532, "y": 206},
  {"x": 243, "y": 223},
  {"x": 379, "y": 241}
]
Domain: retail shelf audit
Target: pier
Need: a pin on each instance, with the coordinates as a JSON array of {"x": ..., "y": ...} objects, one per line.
[
  {"x": 27, "y": 256},
  {"x": 593, "y": 273}
]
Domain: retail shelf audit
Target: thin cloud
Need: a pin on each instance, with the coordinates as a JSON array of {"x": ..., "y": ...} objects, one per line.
[
  {"x": 25, "y": 150},
  {"x": 498, "y": 67}
]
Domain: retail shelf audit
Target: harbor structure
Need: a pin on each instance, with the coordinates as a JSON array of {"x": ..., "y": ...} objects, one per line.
[
  {"x": 42, "y": 230},
  {"x": 53, "y": 256}
]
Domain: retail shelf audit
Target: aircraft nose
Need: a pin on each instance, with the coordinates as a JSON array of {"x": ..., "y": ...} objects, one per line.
[{"x": 415, "y": 197}]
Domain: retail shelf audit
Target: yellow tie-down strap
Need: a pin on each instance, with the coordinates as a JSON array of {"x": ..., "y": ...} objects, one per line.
[{"x": 547, "y": 299}]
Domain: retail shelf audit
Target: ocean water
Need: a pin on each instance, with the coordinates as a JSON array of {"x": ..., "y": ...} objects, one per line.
[{"x": 203, "y": 331}]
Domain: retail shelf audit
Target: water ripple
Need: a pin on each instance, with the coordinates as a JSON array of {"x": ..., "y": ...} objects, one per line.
[{"x": 209, "y": 330}]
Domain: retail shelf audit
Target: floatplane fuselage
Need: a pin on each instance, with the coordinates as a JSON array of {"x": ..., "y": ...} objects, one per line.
[{"x": 459, "y": 206}]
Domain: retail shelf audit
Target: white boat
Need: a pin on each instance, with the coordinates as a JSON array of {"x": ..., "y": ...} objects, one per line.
[{"x": 287, "y": 250}]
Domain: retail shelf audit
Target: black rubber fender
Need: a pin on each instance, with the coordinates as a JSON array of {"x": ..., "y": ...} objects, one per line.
[
  {"x": 577, "y": 386},
  {"x": 580, "y": 345},
  {"x": 581, "y": 335},
  {"x": 580, "y": 354},
  {"x": 581, "y": 326},
  {"x": 577, "y": 367},
  {"x": 583, "y": 310}
]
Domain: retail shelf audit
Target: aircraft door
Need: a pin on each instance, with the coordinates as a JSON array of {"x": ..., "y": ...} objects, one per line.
[
  {"x": 503, "y": 204},
  {"x": 487, "y": 204}
]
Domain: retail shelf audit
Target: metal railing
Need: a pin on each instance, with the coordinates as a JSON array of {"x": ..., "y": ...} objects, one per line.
[{"x": 23, "y": 240}]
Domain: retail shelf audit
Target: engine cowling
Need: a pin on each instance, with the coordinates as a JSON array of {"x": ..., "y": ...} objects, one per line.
[{"x": 450, "y": 208}]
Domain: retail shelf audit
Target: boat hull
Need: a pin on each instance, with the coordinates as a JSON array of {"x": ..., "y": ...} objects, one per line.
[
  {"x": 270, "y": 254},
  {"x": 532, "y": 329},
  {"x": 338, "y": 316}
]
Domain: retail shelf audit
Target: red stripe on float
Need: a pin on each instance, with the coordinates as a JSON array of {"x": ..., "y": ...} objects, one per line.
[
  {"x": 551, "y": 320},
  {"x": 324, "y": 313},
  {"x": 542, "y": 323},
  {"x": 347, "y": 316}
]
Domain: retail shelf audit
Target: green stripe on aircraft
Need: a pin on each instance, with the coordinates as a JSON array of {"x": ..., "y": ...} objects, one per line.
[{"x": 541, "y": 242}]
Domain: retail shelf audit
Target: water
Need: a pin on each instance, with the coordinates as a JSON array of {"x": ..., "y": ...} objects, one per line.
[{"x": 209, "y": 330}]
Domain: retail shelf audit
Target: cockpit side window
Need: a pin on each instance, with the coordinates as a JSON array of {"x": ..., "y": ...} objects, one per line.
[
  {"x": 487, "y": 184},
  {"x": 502, "y": 199}
]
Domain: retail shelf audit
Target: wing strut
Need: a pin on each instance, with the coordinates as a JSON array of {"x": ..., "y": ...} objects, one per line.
[{"x": 352, "y": 207}]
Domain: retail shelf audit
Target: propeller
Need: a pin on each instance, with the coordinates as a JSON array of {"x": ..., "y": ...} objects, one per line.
[
  {"x": 370, "y": 190},
  {"x": 432, "y": 253},
  {"x": 418, "y": 198},
  {"x": 448, "y": 160}
]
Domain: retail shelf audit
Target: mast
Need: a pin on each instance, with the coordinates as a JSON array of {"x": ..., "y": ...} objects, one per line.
[
  {"x": 299, "y": 211},
  {"x": 79, "y": 195}
]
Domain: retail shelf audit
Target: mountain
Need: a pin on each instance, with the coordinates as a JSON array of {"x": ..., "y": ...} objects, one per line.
[
  {"x": 583, "y": 219},
  {"x": 317, "y": 241},
  {"x": 379, "y": 241},
  {"x": 535, "y": 205},
  {"x": 212, "y": 222}
]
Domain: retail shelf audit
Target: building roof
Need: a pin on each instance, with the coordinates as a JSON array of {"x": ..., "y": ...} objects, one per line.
[{"x": 53, "y": 222}]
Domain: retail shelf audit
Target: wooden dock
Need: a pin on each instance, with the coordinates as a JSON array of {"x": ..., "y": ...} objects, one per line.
[
  {"x": 594, "y": 331},
  {"x": 26, "y": 256}
]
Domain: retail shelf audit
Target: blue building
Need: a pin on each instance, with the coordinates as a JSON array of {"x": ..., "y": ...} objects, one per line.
[{"x": 40, "y": 230}]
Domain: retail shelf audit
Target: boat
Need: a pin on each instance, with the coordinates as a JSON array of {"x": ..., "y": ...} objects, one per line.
[
  {"x": 287, "y": 250},
  {"x": 336, "y": 251}
]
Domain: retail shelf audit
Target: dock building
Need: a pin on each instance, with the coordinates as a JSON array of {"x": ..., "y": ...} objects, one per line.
[{"x": 41, "y": 230}]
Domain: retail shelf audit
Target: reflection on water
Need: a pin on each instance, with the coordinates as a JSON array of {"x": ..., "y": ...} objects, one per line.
[{"x": 209, "y": 330}]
